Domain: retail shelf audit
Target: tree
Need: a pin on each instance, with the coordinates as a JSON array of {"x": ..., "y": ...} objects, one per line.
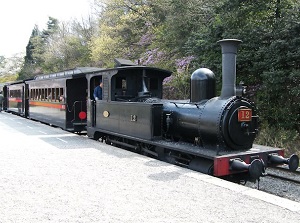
[
  {"x": 268, "y": 58},
  {"x": 52, "y": 28},
  {"x": 29, "y": 58},
  {"x": 281, "y": 78},
  {"x": 125, "y": 29},
  {"x": 61, "y": 46},
  {"x": 33, "y": 57},
  {"x": 9, "y": 67},
  {"x": 68, "y": 47}
]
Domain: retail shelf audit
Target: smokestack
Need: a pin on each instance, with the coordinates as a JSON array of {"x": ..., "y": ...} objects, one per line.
[{"x": 229, "y": 50}]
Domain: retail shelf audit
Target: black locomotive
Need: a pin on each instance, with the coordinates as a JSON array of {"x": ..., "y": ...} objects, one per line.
[{"x": 210, "y": 134}]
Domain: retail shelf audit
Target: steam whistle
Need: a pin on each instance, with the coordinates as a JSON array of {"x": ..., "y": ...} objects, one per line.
[
  {"x": 292, "y": 162},
  {"x": 145, "y": 91}
]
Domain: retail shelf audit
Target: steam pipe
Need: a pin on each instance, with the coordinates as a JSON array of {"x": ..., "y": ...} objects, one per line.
[{"x": 229, "y": 51}]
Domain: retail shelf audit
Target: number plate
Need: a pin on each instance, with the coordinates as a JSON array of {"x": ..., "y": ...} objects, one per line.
[{"x": 245, "y": 115}]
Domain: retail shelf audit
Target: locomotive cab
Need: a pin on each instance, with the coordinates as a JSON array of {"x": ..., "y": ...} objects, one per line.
[
  {"x": 122, "y": 110},
  {"x": 136, "y": 85},
  {"x": 129, "y": 84}
]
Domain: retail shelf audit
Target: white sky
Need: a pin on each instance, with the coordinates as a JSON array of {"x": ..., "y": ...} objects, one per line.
[{"x": 18, "y": 17}]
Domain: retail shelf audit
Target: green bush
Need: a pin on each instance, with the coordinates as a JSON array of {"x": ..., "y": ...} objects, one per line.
[{"x": 280, "y": 138}]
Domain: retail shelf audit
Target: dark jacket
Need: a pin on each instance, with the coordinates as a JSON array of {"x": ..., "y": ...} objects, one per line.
[
  {"x": 98, "y": 93},
  {"x": 1, "y": 99}
]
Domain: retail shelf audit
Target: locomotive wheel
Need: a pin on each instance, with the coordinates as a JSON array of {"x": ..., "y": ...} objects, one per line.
[
  {"x": 202, "y": 165},
  {"x": 97, "y": 136}
]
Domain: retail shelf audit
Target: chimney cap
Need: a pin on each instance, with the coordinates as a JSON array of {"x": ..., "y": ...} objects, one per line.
[{"x": 230, "y": 40}]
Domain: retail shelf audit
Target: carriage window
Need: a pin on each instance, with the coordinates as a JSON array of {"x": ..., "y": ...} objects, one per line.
[
  {"x": 40, "y": 94},
  {"x": 15, "y": 93},
  {"x": 61, "y": 97},
  {"x": 57, "y": 95},
  {"x": 52, "y": 94},
  {"x": 153, "y": 84},
  {"x": 121, "y": 83},
  {"x": 124, "y": 84},
  {"x": 31, "y": 94},
  {"x": 49, "y": 96}
]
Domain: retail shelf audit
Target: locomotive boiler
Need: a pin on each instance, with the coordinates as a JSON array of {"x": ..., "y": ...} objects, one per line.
[{"x": 228, "y": 122}]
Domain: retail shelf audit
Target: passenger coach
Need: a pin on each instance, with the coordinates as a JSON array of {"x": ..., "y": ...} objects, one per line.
[
  {"x": 15, "y": 100},
  {"x": 59, "y": 98}
]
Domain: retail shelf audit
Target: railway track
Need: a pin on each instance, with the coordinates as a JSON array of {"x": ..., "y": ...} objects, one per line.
[
  {"x": 281, "y": 182},
  {"x": 284, "y": 174}
]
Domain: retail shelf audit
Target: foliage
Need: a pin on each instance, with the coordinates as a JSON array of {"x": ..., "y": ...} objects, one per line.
[
  {"x": 268, "y": 59},
  {"x": 61, "y": 46},
  {"x": 125, "y": 30},
  {"x": 9, "y": 67},
  {"x": 280, "y": 138},
  {"x": 182, "y": 19},
  {"x": 8, "y": 78},
  {"x": 281, "y": 79},
  {"x": 65, "y": 49},
  {"x": 177, "y": 86}
]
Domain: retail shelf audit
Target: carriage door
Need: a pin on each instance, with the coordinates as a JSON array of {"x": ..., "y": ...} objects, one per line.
[
  {"x": 5, "y": 97},
  {"x": 76, "y": 95},
  {"x": 26, "y": 100},
  {"x": 94, "y": 82},
  {"x": 23, "y": 100}
]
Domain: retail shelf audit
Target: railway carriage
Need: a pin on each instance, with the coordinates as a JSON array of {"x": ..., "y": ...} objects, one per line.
[
  {"x": 15, "y": 99},
  {"x": 59, "y": 99}
]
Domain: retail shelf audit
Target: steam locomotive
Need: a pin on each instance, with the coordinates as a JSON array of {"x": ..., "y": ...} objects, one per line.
[{"x": 210, "y": 134}]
